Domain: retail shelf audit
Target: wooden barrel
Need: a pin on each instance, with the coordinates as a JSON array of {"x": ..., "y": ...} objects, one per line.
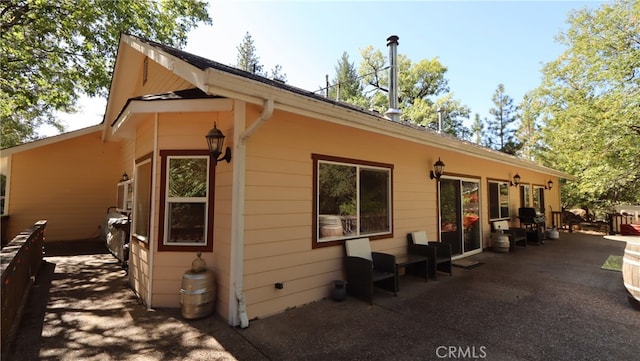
[
  {"x": 631, "y": 269},
  {"x": 197, "y": 295},
  {"x": 330, "y": 226},
  {"x": 500, "y": 243}
]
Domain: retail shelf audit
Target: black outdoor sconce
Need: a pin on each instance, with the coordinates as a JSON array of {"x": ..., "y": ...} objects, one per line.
[
  {"x": 549, "y": 184},
  {"x": 215, "y": 140},
  {"x": 516, "y": 180},
  {"x": 438, "y": 170}
]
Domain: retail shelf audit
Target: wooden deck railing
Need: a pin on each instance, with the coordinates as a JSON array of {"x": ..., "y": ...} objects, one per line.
[
  {"x": 616, "y": 219},
  {"x": 20, "y": 262}
]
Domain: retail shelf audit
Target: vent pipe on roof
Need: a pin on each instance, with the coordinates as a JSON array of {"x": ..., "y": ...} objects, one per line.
[{"x": 393, "y": 113}]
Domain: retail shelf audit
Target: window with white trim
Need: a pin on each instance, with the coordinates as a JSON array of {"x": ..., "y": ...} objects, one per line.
[
  {"x": 353, "y": 199},
  {"x": 186, "y": 202},
  {"x": 142, "y": 199},
  {"x": 498, "y": 200}
]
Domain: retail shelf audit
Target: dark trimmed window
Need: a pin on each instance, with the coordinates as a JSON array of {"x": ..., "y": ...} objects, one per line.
[
  {"x": 186, "y": 202},
  {"x": 353, "y": 198},
  {"x": 538, "y": 198},
  {"x": 498, "y": 200}
]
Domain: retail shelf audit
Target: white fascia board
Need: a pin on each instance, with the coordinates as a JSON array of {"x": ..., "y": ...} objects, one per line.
[
  {"x": 50, "y": 140},
  {"x": 230, "y": 85},
  {"x": 170, "y": 106}
]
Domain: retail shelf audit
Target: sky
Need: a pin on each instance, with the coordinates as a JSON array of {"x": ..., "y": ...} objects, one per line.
[{"x": 482, "y": 43}]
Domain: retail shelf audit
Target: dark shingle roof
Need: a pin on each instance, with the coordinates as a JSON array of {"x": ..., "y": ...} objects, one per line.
[{"x": 204, "y": 63}]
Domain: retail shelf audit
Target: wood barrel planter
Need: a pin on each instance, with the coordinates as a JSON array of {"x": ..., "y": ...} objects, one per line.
[
  {"x": 631, "y": 272},
  {"x": 330, "y": 226}
]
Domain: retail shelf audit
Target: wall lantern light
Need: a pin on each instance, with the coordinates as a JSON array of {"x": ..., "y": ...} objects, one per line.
[
  {"x": 549, "y": 184},
  {"x": 125, "y": 177},
  {"x": 438, "y": 170},
  {"x": 215, "y": 141},
  {"x": 516, "y": 180}
]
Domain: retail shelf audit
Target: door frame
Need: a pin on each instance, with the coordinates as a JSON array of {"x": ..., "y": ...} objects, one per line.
[{"x": 463, "y": 178}]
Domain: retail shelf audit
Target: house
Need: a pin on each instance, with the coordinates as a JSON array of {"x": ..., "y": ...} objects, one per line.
[{"x": 305, "y": 174}]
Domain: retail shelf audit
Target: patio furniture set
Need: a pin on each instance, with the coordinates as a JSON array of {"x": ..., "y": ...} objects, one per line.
[{"x": 366, "y": 269}]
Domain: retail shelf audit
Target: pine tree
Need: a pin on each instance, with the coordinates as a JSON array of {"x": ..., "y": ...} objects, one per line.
[
  {"x": 500, "y": 129},
  {"x": 477, "y": 129},
  {"x": 346, "y": 84},
  {"x": 247, "y": 59}
]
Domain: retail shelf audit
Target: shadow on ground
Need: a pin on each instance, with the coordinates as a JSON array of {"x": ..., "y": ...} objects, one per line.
[{"x": 548, "y": 302}]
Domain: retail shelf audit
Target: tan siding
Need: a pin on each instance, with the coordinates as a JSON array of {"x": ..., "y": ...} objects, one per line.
[
  {"x": 70, "y": 183},
  {"x": 279, "y": 199},
  {"x": 139, "y": 270},
  {"x": 186, "y": 131}
]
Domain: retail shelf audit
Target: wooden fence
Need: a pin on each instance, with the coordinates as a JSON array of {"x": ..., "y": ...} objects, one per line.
[
  {"x": 20, "y": 262},
  {"x": 616, "y": 219}
]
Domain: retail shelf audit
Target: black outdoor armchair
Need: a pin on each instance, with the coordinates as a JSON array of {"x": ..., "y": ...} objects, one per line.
[
  {"x": 438, "y": 253},
  {"x": 365, "y": 270}
]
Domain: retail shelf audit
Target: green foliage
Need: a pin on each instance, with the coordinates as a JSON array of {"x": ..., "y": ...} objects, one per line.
[
  {"x": 477, "y": 129},
  {"x": 337, "y": 189},
  {"x": 419, "y": 85},
  {"x": 188, "y": 177},
  {"x": 589, "y": 103},
  {"x": 55, "y": 51},
  {"x": 249, "y": 61},
  {"x": 500, "y": 130},
  {"x": 346, "y": 82}
]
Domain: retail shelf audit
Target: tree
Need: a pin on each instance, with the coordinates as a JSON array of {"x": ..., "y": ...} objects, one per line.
[
  {"x": 55, "y": 51},
  {"x": 422, "y": 89},
  {"x": 590, "y": 105},
  {"x": 249, "y": 61},
  {"x": 346, "y": 83},
  {"x": 477, "y": 130},
  {"x": 500, "y": 130},
  {"x": 528, "y": 135}
]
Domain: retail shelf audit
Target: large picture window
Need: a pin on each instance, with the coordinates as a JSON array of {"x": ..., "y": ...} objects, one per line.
[
  {"x": 352, "y": 199},
  {"x": 498, "y": 200},
  {"x": 186, "y": 203}
]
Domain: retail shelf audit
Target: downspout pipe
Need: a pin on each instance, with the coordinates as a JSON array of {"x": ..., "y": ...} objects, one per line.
[
  {"x": 267, "y": 112},
  {"x": 239, "y": 201}
]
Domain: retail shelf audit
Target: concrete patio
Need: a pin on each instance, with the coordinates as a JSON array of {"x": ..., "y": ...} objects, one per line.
[{"x": 548, "y": 302}]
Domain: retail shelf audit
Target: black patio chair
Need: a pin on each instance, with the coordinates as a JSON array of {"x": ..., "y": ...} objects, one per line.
[
  {"x": 365, "y": 270},
  {"x": 438, "y": 253}
]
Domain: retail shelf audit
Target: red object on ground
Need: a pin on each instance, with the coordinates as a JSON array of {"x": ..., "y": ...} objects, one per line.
[{"x": 630, "y": 229}]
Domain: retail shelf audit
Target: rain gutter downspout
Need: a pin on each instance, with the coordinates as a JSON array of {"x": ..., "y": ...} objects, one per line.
[
  {"x": 153, "y": 210},
  {"x": 239, "y": 180},
  {"x": 267, "y": 112}
]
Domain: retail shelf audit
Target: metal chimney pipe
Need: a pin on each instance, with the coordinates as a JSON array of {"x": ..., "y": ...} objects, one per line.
[{"x": 393, "y": 113}]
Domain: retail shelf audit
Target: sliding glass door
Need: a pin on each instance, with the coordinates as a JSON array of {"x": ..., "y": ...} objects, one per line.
[{"x": 460, "y": 215}]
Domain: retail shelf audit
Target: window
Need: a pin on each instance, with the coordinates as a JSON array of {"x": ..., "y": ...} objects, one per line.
[
  {"x": 525, "y": 195},
  {"x": 124, "y": 196},
  {"x": 538, "y": 198},
  {"x": 142, "y": 199},
  {"x": 352, "y": 199},
  {"x": 186, "y": 204},
  {"x": 498, "y": 200}
]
